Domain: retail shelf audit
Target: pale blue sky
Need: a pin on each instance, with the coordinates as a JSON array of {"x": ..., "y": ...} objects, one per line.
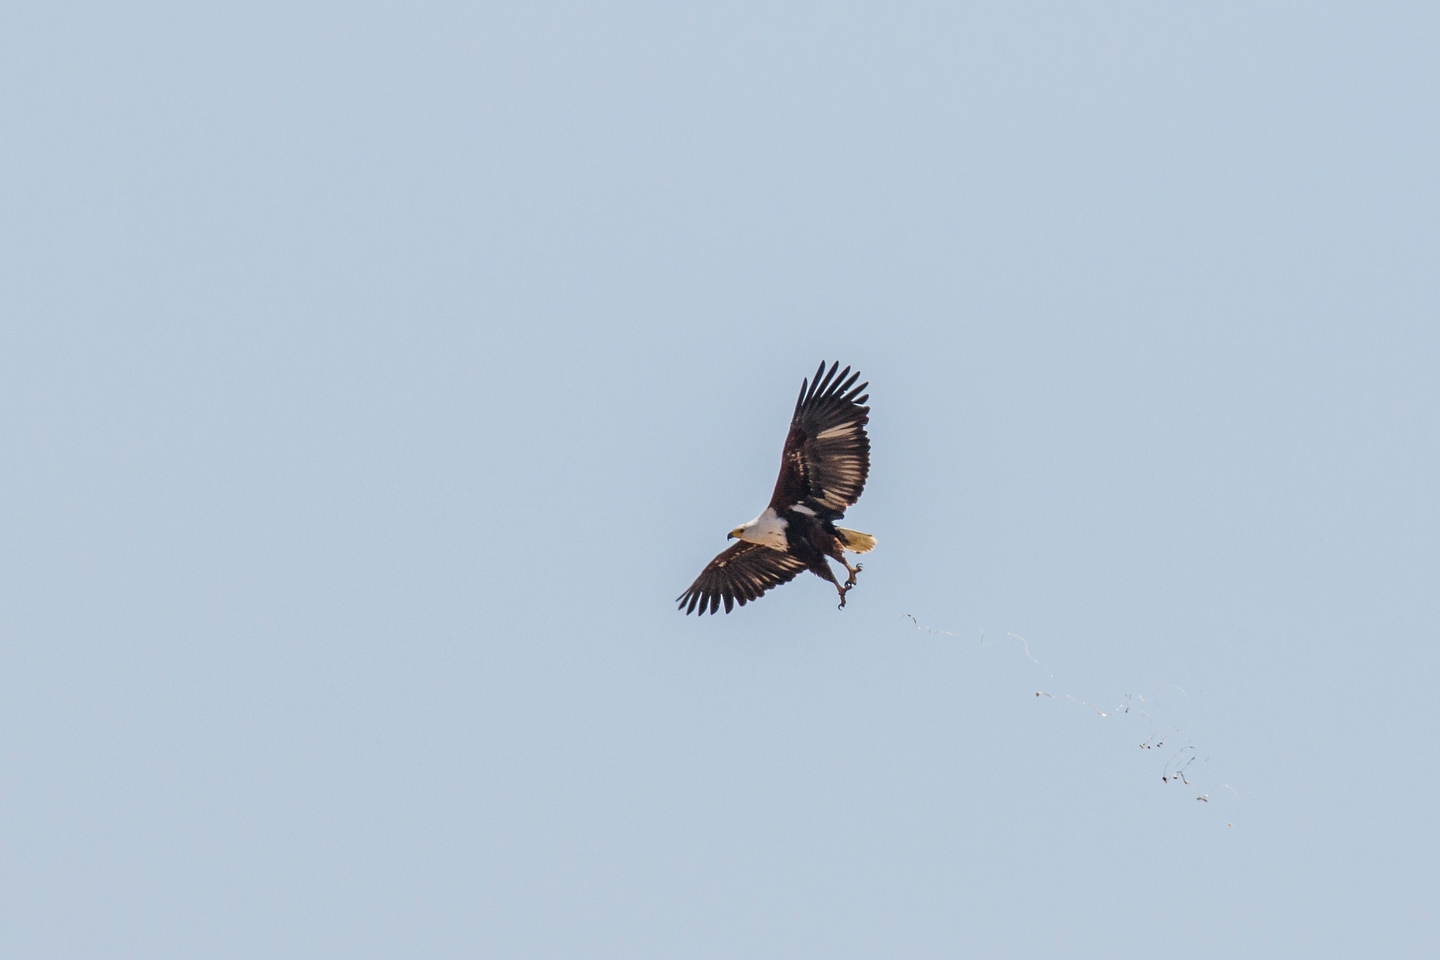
[{"x": 373, "y": 377}]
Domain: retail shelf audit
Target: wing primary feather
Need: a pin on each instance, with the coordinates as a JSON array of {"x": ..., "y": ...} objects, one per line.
[
  {"x": 825, "y": 387},
  {"x": 815, "y": 382}
]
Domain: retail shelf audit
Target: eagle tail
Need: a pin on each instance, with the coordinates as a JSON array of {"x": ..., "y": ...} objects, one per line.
[{"x": 855, "y": 541}]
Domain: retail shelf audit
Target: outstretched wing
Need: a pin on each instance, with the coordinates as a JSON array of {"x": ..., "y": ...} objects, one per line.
[
  {"x": 827, "y": 454},
  {"x": 742, "y": 573}
]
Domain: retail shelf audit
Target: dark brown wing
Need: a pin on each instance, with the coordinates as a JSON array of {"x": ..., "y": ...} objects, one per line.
[
  {"x": 742, "y": 573},
  {"x": 827, "y": 454}
]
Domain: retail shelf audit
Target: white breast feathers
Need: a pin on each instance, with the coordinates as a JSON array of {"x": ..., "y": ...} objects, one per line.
[{"x": 767, "y": 530}]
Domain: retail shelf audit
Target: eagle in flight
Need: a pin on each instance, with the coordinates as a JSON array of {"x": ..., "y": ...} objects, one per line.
[{"x": 822, "y": 471}]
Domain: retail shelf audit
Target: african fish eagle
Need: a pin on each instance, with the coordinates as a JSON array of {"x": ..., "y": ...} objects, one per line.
[{"x": 822, "y": 471}]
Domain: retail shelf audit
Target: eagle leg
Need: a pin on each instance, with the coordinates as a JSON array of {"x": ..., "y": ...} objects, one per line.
[
  {"x": 822, "y": 570},
  {"x": 839, "y": 554}
]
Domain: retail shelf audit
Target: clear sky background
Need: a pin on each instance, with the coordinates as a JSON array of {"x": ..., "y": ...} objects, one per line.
[{"x": 373, "y": 377}]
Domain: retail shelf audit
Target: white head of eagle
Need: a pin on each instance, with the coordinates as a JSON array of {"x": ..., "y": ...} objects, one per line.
[{"x": 822, "y": 472}]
